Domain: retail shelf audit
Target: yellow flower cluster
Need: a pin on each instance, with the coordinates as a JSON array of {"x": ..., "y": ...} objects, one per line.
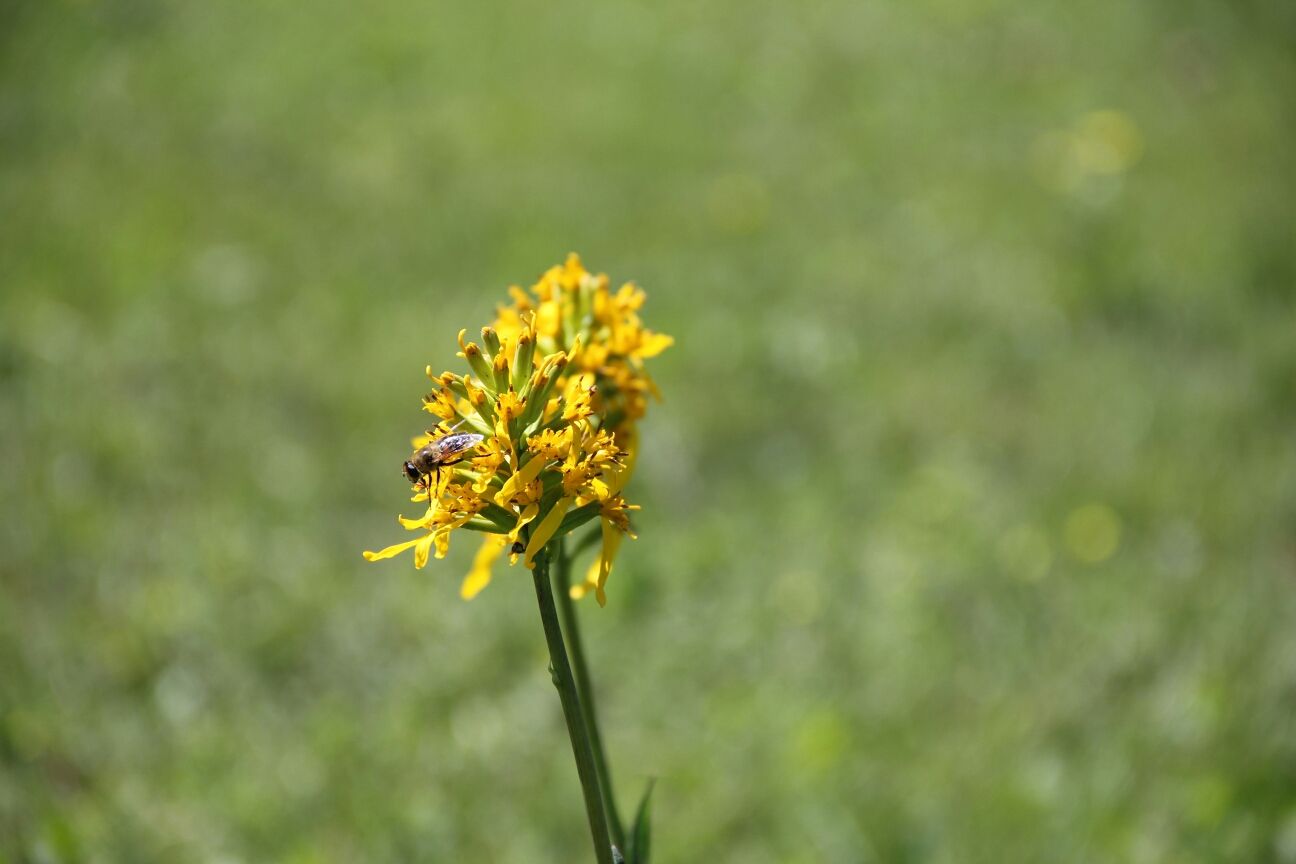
[
  {"x": 576, "y": 311},
  {"x": 554, "y": 392}
]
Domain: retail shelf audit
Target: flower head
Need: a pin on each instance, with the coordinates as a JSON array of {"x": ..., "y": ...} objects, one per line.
[
  {"x": 551, "y": 401},
  {"x": 600, "y": 330}
]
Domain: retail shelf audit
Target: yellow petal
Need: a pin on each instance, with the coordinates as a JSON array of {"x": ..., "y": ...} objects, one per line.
[
  {"x": 390, "y": 551},
  {"x": 442, "y": 535},
  {"x": 480, "y": 575},
  {"x": 611, "y": 544},
  {"x": 546, "y": 529},
  {"x": 622, "y": 476},
  {"x": 520, "y": 479},
  {"x": 528, "y": 513},
  {"x": 415, "y": 524},
  {"x": 599, "y": 570},
  {"x": 590, "y": 584},
  {"x": 421, "y": 547},
  {"x": 549, "y": 320},
  {"x": 653, "y": 344}
]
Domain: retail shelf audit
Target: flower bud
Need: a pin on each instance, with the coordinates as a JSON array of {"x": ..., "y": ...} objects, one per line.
[{"x": 491, "y": 340}]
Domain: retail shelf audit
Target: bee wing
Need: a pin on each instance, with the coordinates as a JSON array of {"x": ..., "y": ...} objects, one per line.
[{"x": 453, "y": 445}]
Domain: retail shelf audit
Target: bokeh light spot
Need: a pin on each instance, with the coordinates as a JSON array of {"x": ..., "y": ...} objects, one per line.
[
  {"x": 1106, "y": 142},
  {"x": 1093, "y": 533},
  {"x": 821, "y": 739},
  {"x": 1087, "y": 159}
]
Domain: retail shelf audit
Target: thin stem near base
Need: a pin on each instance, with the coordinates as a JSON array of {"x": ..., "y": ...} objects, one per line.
[
  {"x": 572, "y": 713},
  {"x": 571, "y": 628}
]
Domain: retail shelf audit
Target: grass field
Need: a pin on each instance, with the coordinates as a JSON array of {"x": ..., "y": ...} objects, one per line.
[{"x": 969, "y": 526}]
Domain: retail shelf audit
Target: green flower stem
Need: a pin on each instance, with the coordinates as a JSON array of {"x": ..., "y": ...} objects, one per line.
[
  {"x": 571, "y": 627},
  {"x": 572, "y": 712}
]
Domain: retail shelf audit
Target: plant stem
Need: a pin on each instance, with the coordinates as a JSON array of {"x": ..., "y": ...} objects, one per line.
[
  {"x": 571, "y": 628},
  {"x": 572, "y": 713}
]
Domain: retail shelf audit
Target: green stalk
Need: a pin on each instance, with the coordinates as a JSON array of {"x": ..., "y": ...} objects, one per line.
[
  {"x": 572, "y": 711},
  {"x": 571, "y": 627}
]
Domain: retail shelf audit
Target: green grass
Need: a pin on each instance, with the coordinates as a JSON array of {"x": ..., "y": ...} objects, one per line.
[{"x": 968, "y": 517}]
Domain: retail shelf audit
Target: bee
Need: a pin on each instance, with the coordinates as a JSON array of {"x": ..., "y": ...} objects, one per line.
[{"x": 437, "y": 454}]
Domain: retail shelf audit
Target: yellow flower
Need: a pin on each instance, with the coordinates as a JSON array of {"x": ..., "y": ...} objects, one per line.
[
  {"x": 579, "y": 397},
  {"x": 552, "y": 394},
  {"x": 614, "y": 512},
  {"x": 576, "y": 312},
  {"x": 551, "y": 443}
]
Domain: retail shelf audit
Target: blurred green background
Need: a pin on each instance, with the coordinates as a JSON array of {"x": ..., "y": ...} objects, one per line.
[{"x": 969, "y": 526}]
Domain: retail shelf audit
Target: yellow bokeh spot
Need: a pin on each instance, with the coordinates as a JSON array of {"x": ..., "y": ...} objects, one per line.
[
  {"x": 820, "y": 740},
  {"x": 1107, "y": 142},
  {"x": 1093, "y": 533},
  {"x": 1099, "y": 144}
]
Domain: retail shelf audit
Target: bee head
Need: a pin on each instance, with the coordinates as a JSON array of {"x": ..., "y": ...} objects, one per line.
[{"x": 411, "y": 472}]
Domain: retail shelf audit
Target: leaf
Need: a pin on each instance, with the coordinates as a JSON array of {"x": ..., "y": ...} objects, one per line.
[{"x": 638, "y": 845}]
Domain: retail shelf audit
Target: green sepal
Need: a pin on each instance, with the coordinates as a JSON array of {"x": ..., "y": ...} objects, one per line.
[
  {"x": 487, "y": 415},
  {"x": 473, "y": 353},
  {"x": 500, "y": 373},
  {"x": 491, "y": 340},
  {"x": 578, "y": 517},
  {"x": 475, "y": 423},
  {"x": 453, "y": 383},
  {"x": 522, "y": 360},
  {"x": 499, "y": 516},
  {"x": 486, "y": 526},
  {"x": 539, "y": 397}
]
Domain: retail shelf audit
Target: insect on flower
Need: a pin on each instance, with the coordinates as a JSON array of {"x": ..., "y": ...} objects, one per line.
[
  {"x": 437, "y": 454},
  {"x": 556, "y": 389}
]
